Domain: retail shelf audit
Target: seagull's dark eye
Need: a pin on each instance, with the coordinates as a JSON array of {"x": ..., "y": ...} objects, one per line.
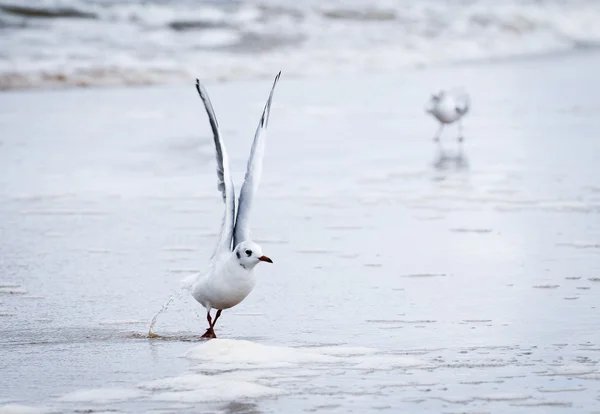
[{"x": 249, "y": 253}]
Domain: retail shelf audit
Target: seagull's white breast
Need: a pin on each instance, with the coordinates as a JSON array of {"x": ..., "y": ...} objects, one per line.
[
  {"x": 445, "y": 110},
  {"x": 225, "y": 285}
]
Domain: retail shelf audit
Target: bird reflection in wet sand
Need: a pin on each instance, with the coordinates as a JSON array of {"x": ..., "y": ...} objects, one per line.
[
  {"x": 448, "y": 107},
  {"x": 446, "y": 160},
  {"x": 236, "y": 407}
]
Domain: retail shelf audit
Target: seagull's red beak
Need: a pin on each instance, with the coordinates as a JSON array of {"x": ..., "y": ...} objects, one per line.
[{"x": 265, "y": 259}]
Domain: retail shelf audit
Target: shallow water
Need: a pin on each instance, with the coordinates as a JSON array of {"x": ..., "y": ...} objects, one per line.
[{"x": 403, "y": 278}]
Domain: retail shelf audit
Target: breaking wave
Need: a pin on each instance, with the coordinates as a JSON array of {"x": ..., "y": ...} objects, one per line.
[{"x": 53, "y": 43}]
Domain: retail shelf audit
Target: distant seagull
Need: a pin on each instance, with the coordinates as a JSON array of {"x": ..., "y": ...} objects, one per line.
[
  {"x": 230, "y": 277},
  {"x": 448, "y": 107}
]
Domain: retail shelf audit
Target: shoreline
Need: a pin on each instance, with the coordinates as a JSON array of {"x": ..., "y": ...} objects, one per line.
[{"x": 180, "y": 79}]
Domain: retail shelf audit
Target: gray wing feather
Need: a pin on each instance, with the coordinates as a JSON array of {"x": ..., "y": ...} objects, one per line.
[
  {"x": 462, "y": 101},
  {"x": 225, "y": 183},
  {"x": 253, "y": 173}
]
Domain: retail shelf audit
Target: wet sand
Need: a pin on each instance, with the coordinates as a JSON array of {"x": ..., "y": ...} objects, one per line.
[{"x": 405, "y": 278}]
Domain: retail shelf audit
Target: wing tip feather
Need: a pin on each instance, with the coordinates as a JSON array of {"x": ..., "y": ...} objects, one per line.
[{"x": 264, "y": 120}]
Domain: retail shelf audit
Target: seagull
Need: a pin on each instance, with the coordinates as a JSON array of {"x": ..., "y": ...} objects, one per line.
[
  {"x": 230, "y": 276},
  {"x": 448, "y": 107}
]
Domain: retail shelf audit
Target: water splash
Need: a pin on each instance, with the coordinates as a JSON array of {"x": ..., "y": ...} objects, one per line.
[
  {"x": 186, "y": 285},
  {"x": 164, "y": 307}
]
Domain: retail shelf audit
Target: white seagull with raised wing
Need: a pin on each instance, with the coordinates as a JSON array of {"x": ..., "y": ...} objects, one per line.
[{"x": 230, "y": 277}]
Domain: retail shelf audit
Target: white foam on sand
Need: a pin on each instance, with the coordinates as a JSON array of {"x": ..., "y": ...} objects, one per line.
[
  {"x": 456, "y": 400},
  {"x": 506, "y": 396},
  {"x": 561, "y": 389},
  {"x": 227, "y": 354},
  {"x": 388, "y": 362},
  {"x": 341, "y": 351},
  {"x": 272, "y": 378},
  {"x": 232, "y": 354},
  {"x": 102, "y": 395},
  {"x": 192, "y": 388},
  {"x": 574, "y": 369},
  {"x": 244, "y": 369},
  {"x": 561, "y": 404},
  {"x": 20, "y": 409},
  {"x": 228, "y": 370}
]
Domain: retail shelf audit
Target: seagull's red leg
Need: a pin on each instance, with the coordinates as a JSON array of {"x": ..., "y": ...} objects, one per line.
[
  {"x": 210, "y": 333},
  {"x": 438, "y": 133},
  {"x": 216, "y": 317}
]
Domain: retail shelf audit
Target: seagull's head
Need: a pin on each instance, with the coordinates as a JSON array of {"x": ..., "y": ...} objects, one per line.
[
  {"x": 436, "y": 97},
  {"x": 433, "y": 102},
  {"x": 249, "y": 254}
]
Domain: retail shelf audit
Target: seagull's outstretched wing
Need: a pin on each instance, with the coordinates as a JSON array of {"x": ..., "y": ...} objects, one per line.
[
  {"x": 253, "y": 173},
  {"x": 225, "y": 183},
  {"x": 462, "y": 101},
  {"x": 430, "y": 105}
]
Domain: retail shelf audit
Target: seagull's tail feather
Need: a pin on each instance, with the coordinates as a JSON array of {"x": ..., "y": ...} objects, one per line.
[{"x": 188, "y": 282}]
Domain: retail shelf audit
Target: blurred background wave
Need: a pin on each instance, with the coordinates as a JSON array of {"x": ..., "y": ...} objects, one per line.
[{"x": 108, "y": 42}]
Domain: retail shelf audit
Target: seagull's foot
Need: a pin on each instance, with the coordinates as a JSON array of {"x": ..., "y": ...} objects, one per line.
[
  {"x": 209, "y": 334},
  {"x": 436, "y": 139},
  {"x": 461, "y": 139}
]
